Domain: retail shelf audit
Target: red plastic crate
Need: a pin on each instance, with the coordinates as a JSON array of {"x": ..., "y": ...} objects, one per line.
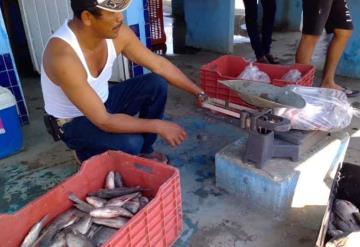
[
  {"x": 229, "y": 67},
  {"x": 156, "y": 19},
  {"x": 158, "y": 224}
]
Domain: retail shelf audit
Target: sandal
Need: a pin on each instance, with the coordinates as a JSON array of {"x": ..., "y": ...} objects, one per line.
[
  {"x": 350, "y": 92},
  {"x": 262, "y": 59},
  {"x": 272, "y": 59},
  {"x": 156, "y": 156}
]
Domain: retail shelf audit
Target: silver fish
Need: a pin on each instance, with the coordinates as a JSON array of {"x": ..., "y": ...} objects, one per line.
[
  {"x": 143, "y": 202},
  {"x": 62, "y": 221},
  {"x": 34, "y": 233},
  {"x": 96, "y": 201},
  {"x": 344, "y": 216},
  {"x": 133, "y": 207},
  {"x": 78, "y": 212},
  {"x": 117, "y": 222},
  {"x": 108, "y": 194},
  {"x": 82, "y": 226},
  {"x": 343, "y": 226},
  {"x": 103, "y": 235},
  {"x": 71, "y": 221},
  {"x": 118, "y": 180},
  {"x": 83, "y": 206},
  {"x": 110, "y": 212},
  {"x": 78, "y": 240},
  {"x": 344, "y": 209},
  {"x": 110, "y": 181},
  {"x": 121, "y": 200},
  {"x": 60, "y": 240},
  {"x": 132, "y": 196},
  {"x": 136, "y": 199},
  {"x": 93, "y": 229},
  {"x": 332, "y": 229},
  {"x": 356, "y": 216}
]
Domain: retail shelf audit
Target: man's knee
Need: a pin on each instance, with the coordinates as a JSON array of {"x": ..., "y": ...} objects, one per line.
[
  {"x": 309, "y": 40},
  {"x": 132, "y": 144},
  {"x": 156, "y": 79},
  {"x": 344, "y": 34},
  {"x": 157, "y": 82}
]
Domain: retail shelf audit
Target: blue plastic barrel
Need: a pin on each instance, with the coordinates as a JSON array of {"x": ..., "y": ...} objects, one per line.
[{"x": 11, "y": 138}]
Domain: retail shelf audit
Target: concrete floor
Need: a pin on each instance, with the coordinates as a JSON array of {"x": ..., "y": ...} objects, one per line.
[{"x": 212, "y": 217}]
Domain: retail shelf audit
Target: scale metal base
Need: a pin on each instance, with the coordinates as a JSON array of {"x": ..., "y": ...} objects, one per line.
[{"x": 290, "y": 144}]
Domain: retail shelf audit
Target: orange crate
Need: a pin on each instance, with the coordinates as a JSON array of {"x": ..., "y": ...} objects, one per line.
[
  {"x": 158, "y": 224},
  {"x": 156, "y": 19},
  {"x": 229, "y": 67}
]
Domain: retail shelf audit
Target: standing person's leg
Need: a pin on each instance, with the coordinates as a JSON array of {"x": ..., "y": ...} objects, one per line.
[
  {"x": 315, "y": 15},
  {"x": 306, "y": 48},
  {"x": 145, "y": 96},
  {"x": 340, "y": 24},
  {"x": 269, "y": 12},
  {"x": 333, "y": 55},
  {"x": 251, "y": 15}
]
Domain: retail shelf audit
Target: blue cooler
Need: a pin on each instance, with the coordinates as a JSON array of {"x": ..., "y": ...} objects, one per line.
[{"x": 11, "y": 138}]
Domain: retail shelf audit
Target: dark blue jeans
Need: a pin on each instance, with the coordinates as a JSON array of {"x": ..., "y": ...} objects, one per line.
[
  {"x": 144, "y": 96},
  {"x": 261, "y": 45}
]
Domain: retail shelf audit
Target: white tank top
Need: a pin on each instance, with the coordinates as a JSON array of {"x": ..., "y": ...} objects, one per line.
[{"x": 56, "y": 102}]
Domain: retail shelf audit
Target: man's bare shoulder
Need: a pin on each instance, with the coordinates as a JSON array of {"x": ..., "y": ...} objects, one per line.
[
  {"x": 125, "y": 36},
  {"x": 60, "y": 59},
  {"x": 57, "y": 47}
]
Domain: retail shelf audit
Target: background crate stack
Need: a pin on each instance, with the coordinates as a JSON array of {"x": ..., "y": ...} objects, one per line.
[
  {"x": 157, "y": 33},
  {"x": 158, "y": 224},
  {"x": 229, "y": 67}
]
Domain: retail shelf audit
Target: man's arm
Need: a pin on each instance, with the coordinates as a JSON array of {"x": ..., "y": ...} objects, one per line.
[
  {"x": 64, "y": 68},
  {"x": 136, "y": 52}
]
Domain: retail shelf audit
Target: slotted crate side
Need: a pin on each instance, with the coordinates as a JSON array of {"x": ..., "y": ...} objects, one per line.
[{"x": 159, "y": 224}]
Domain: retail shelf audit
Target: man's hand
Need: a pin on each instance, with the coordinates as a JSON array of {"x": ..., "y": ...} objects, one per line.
[
  {"x": 201, "y": 98},
  {"x": 172, "y": 133}
]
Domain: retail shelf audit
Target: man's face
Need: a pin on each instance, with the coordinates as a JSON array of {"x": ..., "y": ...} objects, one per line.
[{"x": 108, "y": 24}]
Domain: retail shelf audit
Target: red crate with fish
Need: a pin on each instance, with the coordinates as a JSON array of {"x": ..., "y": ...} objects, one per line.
[
  {"x": 156, "y": 221},
  {"x": 229, "y": 67}
]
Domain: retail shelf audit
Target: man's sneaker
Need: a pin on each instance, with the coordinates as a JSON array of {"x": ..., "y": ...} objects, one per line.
[{"x": 156, "y": 156}]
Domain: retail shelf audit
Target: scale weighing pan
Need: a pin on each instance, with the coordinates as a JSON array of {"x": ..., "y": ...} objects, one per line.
[{"x": 264, "y": 95}]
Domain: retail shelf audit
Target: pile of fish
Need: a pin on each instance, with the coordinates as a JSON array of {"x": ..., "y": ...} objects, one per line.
[
  {"x": 344, "y": 225},
  {"x": 91, "y": 222}
]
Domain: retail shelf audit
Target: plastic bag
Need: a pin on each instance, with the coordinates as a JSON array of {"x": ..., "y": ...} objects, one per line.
[
  {"x": 325, "y": 109},
  {"x": 252, "y": 72},
  {"x": 292, "y": 75}
]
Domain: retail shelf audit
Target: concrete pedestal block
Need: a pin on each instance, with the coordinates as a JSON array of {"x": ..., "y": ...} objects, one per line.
[{"x": 282, "y": 184}]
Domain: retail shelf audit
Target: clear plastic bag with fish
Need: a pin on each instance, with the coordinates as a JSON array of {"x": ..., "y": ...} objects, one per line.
[
  {"x": 326, "y": 110},
  {"x": 292, "y": 75},
  {"x": 252, "y": 72}
]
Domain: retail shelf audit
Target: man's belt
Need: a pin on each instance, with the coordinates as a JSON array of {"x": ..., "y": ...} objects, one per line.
[
  {"x": 62, "y": 121},
  {"x": 54, "y": 126}
]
